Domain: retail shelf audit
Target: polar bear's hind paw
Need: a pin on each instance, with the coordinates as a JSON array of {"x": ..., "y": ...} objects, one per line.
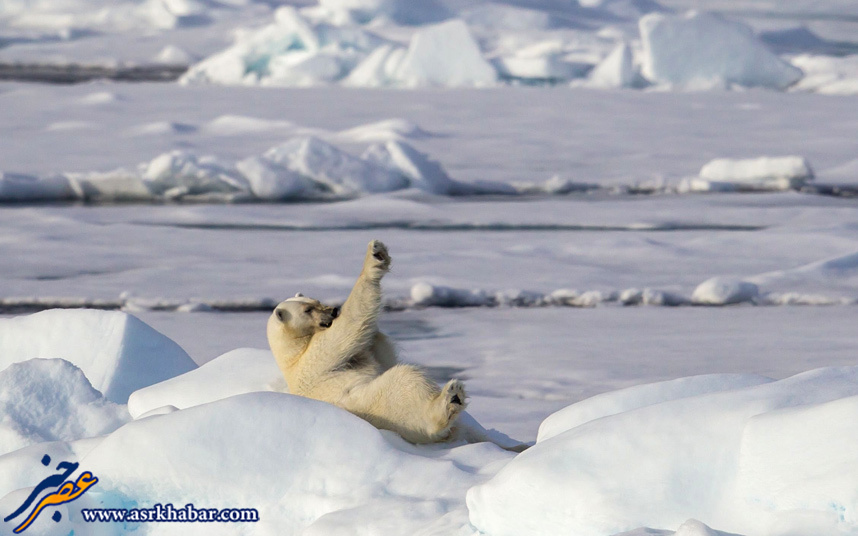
[{"x": 454, "y": 397}]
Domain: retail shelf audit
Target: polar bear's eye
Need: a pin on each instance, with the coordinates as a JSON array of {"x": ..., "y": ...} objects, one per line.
[{"x": 308, "y": 310}]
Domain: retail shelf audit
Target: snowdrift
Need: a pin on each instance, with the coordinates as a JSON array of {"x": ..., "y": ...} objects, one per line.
[
  {"x": 118, "y": 353},
  {"x": 45, "y": 400},
  {"x": 741, "y": 454}
]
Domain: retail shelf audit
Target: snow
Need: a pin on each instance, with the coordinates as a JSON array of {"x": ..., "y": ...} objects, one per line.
[
  {"x": 724, "y": 291},
  {"x": 118, "y": 353},
  {"x": 703, "y": 50},
  {"x": 705, "y": 456},
  {"x": 754, "y": 174},
  {"x": 420, "y": 171},
  {"x": 237, "y": 372},
  {"x": 550, "y": 249},
  {"x": 657, "y": 455},
  {"x": 44, "y": 400},
  {"x": 334, "y": 169}
]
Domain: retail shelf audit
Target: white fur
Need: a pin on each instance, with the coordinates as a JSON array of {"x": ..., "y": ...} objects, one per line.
[{"x": 353, "y": 365}]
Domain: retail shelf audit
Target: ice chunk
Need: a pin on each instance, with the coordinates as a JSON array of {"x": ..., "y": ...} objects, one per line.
[
  {"x": 703, "y": 50},
  {"x": 617, "y": 70},
  {"x": 725, "y": 291},
  {"x": 829, "y": 75},
  {"x": 15, "y": 187},
  {"x": 239, "y": 371},
  {"x": 445, "y": 55},
  {"x": 765, "y": 173},
  {"x": 304, "y": 69},
  {"x": 51, "y": 400},
  {"x": 118, "y": 185},
  {"x": 378, "y": 69},
  {"x": 118, "y": 353},
  {"x": 271, "y": 181},
  {"x": 339, "y": 171},
  {"x": 173, "y": 55},
  {"x": 180, "y": 173},
  {"x": 547, "y": 68},
  {"x": 425, "y": 294},
  {"x": 291, "y": 51},
  {"x": 422, "y": 172}
]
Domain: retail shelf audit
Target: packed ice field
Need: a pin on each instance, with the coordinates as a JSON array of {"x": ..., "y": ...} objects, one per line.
[{"x": 640, "y": 262}]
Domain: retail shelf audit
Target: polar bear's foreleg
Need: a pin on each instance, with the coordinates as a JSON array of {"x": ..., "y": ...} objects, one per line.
[
  {"x": 357, "y": 324},
  {"x": 404, "y": 400},
  {"x": 356, "y": 327}
]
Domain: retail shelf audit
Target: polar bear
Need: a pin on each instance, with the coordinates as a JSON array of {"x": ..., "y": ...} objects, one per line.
[{"x": 340, "y": 357}]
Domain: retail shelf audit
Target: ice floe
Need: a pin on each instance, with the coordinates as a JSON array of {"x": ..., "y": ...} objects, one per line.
[{"x": 733, "y": 451}]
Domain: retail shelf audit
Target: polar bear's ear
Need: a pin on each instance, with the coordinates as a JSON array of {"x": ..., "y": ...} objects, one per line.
[
  {"x": 299, "y": 295},
  {"x": 282, "y": 314}
]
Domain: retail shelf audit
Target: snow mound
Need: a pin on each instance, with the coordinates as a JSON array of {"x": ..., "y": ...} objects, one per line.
[
  {"x": 51, "y": 400},
  {"x": 180, "y": 173},
  {"x": 334, "y": 169},
  {"x": 641, "y": 396},
  {"x": 725, "y": 291},
  {"x": 239, "y": 371},
  {"x": 703, "y": 50},
  {"x": 407, "y": 161},
  {"x": 828, "y": 75},
  {"x": 767, "y": 448},
  {"x": 752, "y": 174},
  {"x": 118, "y": 353},
  {"x": 304, "y": 464},
  {"x": 648, "y": 296}
]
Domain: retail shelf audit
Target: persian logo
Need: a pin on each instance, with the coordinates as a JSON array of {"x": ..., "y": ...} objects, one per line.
[{"x": 62, "y": 490}]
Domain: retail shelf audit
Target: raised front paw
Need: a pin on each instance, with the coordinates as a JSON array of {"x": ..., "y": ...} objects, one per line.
[{"x": 377, "y": 259}]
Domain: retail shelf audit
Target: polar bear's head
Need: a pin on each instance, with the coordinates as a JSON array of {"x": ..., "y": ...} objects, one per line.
[{"x": 300, "y": 317}]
